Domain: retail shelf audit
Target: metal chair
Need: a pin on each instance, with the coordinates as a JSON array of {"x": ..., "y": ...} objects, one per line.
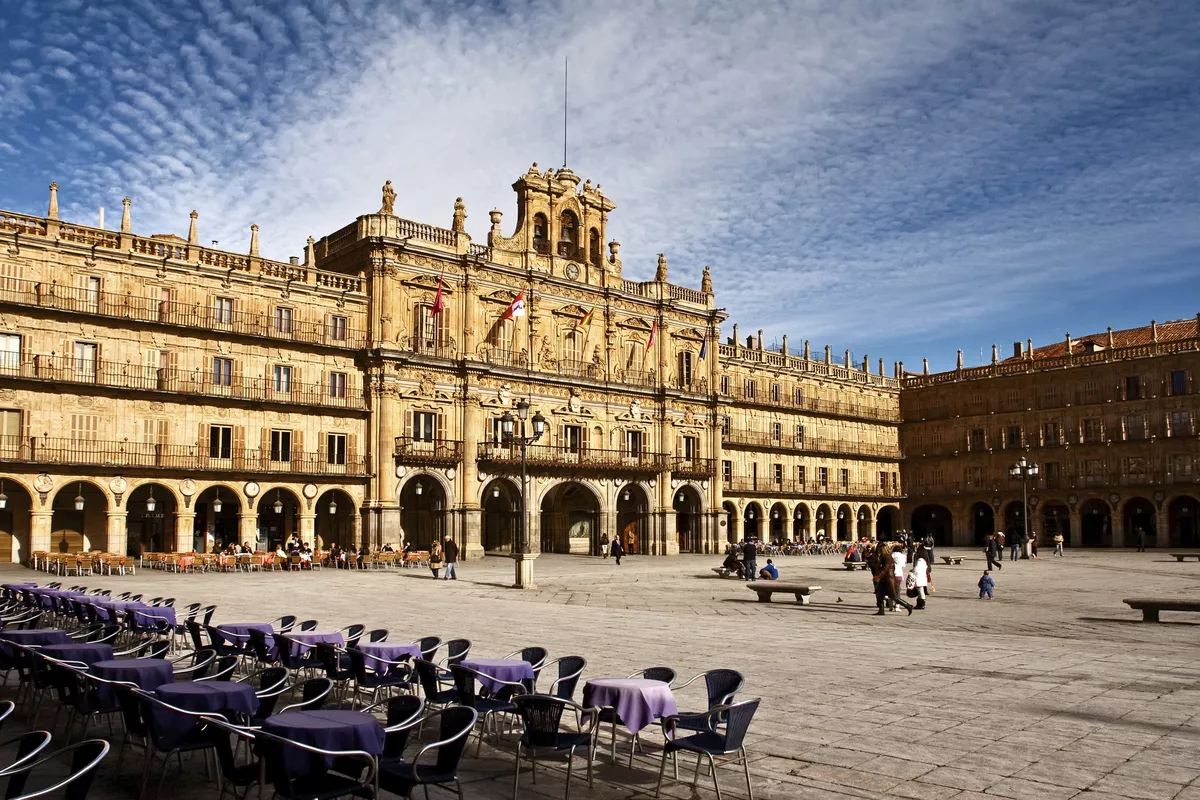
[
  {"x": 400, "y": 777},
  {"x": 456, "y": 651},
  {"x": 542, "y": 716},
  {"x": 710, "y": 744},
  {"x": 84, "y": 758},
  {"x": 721, "y": 686},
  {"x": 396, "y": 676},
  {"x": 308, "y": 625},
  {"x": 312, "y": 695},
  {"x": 290, "y": 784},
  {"x": 352, "y": 633},
  {"x": 570, "y": 668},
  {"x": 487, "y": 707}
]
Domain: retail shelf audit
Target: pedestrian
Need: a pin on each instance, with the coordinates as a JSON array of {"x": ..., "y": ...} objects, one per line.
[
  {"x": 896, "y": 554},
  {"x": 1058, "y": 544},
  {"x": 604, "y": 544},
  {"x": 1141, "y": 539},
  {"x": 986, "y": 585},
  {"x": 617, "y": 549},
  {"x": 1033, "y": 545},
  {"x": 750, "y": 560},
  {"x": 929, "y": 543},
  {"x": 883, "y": 575},
  {"x": 910, "y": 540},
  {"x": 919, "y": 577},
  {"x": 995, "y": 555},
  {"x": 1014, "y": 549},
  {"x": 450, "y": 553},
  {"x": 435, "y": 558}
]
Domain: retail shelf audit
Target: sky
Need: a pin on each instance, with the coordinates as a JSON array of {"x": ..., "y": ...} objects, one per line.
[{"x": 904, "y": 178}]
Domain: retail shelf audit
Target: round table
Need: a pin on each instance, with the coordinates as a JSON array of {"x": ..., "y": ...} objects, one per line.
[
  {"x": 637, "y": 701},
  {"x": 83, "y": 652},
  {"x": 390, "y": 651},
  {"x": 35, "y": 638},
  {"x": 513, "y": 670},
  {"x": 146, "y": 673},
  {"x": 154, "y": 615},
  {"x": 301, "y": 643},
  {"x": 328, "y": 730},
  {"x": 201, "y": 696}
]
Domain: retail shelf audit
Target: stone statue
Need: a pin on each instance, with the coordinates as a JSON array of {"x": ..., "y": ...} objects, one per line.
[
  {"x": 460, "y": 216},
  {"x": 706, "y": 281},
  {"x": 389, "y": 198},
  {"x": 661, "y": 274}
]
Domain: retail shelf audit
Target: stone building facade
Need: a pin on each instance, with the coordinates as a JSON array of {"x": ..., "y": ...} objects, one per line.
[
  {"x": 158, "y": 394},
  {"x": 1110, "y": 420}
]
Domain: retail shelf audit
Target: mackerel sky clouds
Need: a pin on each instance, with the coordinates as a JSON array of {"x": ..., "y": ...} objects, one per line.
[{"x": 902, "y": 178}]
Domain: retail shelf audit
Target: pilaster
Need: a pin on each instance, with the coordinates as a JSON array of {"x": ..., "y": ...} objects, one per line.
[
  {"x": 308, "y": 528},
  {"x": 40, "y": 523},
  {"x": 185, "y": 525},
  {"x": 118, "y": 535}
]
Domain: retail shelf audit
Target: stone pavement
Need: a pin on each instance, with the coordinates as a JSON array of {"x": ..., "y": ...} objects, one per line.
[{"x": 1052, "y": 690}]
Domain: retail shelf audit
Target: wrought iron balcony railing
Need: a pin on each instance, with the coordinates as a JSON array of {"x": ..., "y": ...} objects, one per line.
[
  {"x": 810, "y": 444},
  {"x": 438, "y": 452},
  {"x": 694, "y": 467},
  {"x": 765, "y": 486},
  {"x": 762, "y": 396},
  {"x": 546, "y": 456}
]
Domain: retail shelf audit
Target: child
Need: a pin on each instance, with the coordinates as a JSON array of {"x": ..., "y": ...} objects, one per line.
[{"x": 986, "y": 585}]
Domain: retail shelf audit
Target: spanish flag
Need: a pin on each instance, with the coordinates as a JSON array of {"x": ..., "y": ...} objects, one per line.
[{"x": 586, "y": 319}]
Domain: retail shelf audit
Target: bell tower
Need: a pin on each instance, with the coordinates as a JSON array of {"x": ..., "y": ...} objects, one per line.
[{"x": 561, "y": 226}]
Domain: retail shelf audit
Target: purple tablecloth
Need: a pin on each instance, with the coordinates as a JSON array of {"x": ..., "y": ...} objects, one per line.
[
  {"x": 46, "y": 597},
  {"x": 146, "y": 673},
  {"x": 28, "y": 585},
  {"x": 110, "y": 609},
  {"x": 311, "y": 638},
  {"x": 33, "y": 638},
  {"x": 154, "y": 614},
  {"x": 506, "y": 669},
  {"x": 392, "y": 651},
  {"x": 328, "y": 730},
  {"x": 637, "y": 701},
  {"x": 79, "y": 651},
  {"x": 214, "y": 696}
]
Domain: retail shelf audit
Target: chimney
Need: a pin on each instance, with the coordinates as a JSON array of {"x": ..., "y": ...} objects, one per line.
[
  {"x": 749, "y": 342},
  {"x": 925, "y": 368},
  {"x": 735, "y": 337},
  {"x": 1110, "y": 336},
  {"x": 881, "y": 366},
  {"x": 1018, "y": 351},
  {"x": 828, "y": 354},
  {"x": 960, "y": 359},
  {"x": 1068, "y": 343},
  {"x": 1154, "y": 331},
  {"x": 995, "y": 354},
  {"x": 310, "y": 254},
  {"x": 1029, "y": 349},
  {"x": 760, "y": 338},
  {"x": 783, "y": 348},
  {"x": 294, "y": 260},
  {"x": 847, "y": 358},
  {"x": 808, "y": 353},
  {"x": 193, "y": 233},
  {"x": 866, "y": 363},
  {"x": 254, "y": 241}
]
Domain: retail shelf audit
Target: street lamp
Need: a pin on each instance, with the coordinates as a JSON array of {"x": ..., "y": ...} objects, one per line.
[
  {"x": 151, "y": 503},
  {"x": 3, "y": 496},
  {"x": 278, "y": 505},
  {"x": 332, "y": 505},
  {"x": 523, "y": 552},
  {"x": 1024, "y": 470},
  {"x": 217, "y": 502},
  {"x": 79, "y": 498}
]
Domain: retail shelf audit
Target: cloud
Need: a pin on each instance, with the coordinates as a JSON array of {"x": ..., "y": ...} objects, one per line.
[{"x": 891, "y": 175}]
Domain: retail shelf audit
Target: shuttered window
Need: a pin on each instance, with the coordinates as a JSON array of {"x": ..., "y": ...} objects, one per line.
[
  {"x": 335, "y": 448},
  {"x": 85, "y": 427}
]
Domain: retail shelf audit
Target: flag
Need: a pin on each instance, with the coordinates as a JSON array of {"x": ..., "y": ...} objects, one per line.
[
  {"x": 439, "y": 302},
  {"x": 516, "y": 308},
  {"x": 653, "y": 336},
  {"x": 703, "y": 348},
  {"x": 586, "y": 319}
]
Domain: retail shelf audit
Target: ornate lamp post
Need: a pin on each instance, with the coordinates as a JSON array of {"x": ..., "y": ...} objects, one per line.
[
  {"x": 1024, "y": 470},
  {"x": 523, "y": 554}
]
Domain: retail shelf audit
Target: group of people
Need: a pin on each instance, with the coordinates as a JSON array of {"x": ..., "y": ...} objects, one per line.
[
  {"x": 888, "y": 562},
  {"x": 615, "y": 548},
  {"x": 747, "y": 566}
]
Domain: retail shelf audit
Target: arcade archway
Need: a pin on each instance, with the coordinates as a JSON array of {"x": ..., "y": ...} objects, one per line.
[
  {"x": 1183, "y": 515},
  {"x": 218, "y": 509},
  {"x": 801, "y": 523},
  {"x": 278, "y": 517},
  {"x": 1139, "y": 515},
  {"x": 778, "y": 523},
  {"x": 570, "y": 520},
  {"x": 80, "y": 519},
  {"x": 1056, "y": 519},
  {"x": 1014, "y": 521},
  {"x": 824, "y": 517},
  {"x": 1096, "y": 523},
  {"x": 335, "y": 521},
  {"x": 866, "y": 522},
  {"x": 633, "y": 519},
  {"x": 983, "y": 522},
  {"x": 500, "y": 516},
  {"x": 933, "y": 520},
  {"x": 150, "y": 520},
  {"x": 689, "y": 528},
  {"x": 731, "y": 522},
  {"x": 885, "y": 524},
  {"x": 845, "y": 523},
  {"x": 423, "y": 511},
  {"x": 15, "y": 505},
  {"x": 751, "y": 519}
]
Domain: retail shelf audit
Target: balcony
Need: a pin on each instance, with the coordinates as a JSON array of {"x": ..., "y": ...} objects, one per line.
[
  {"x": 766, "y": 487},
  {"x": 736, "y": 439},
  {"x": 694, "y": 467},
  {"x": 52, "y": 296},
  {"x": 637, "y": 377},
  {"x": 175, "y": 457},
  {"x": 574, "y": 368},
  {"x": 503, "y": 356},
  {"x": 832, "y": 408},
  {"x": 437, "y": 453},
  {"x": 135, "y": 377},
  {"x": 555, "y": 457}
]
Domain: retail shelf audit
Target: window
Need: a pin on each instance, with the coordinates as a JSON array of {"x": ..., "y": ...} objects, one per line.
[
  {"x": 751, "y": 389},
  {"x": 220, "y": 441},
  {"x": 978, "y": 440},
  {"x": 283, "y": 320},
  {"x": 973, "y": 476},
  {"x": 164, "y": 304},
  {"x": 935, "y": 441},
  {"x": 633, "y": 443},
  {"x": 281, "y": 445},
  {"x": 223, "y": 310},
  {"x": 724, "y": 426},
  {"x": 85, "y": 427},
  {"x": 724, "y": 384},
  {"x": 726, "y": 471},
  {"x": 335, "y": 448},
  {"x": 685, "y": 368},
  {"x": 896, "y": 482},
  {"x": 823, "y": 477},
  {"x": 1012, "y": 399},
  {"x": 85, "y": 360},
  {"x": 774, "y": 392},
  {"x": 1135, "y": 427},
  {"x": 337, "y": 328},
  {"x": 91, "y": 291},
  {"x": 1089, "y": 392},
  {"x": 572, "y": 347},
  {"x": 1181, "y": 464},
  {"x": 776, "y": 432},
  {"x": 10, "y": 351},
  {"x": 1133, "y": 387},
  {"x": 636, "y": 358},
  {"x": 1051, "y": 434},
  {"x": 154, "y": 431},
  {"x": 1012, "y": 437},
  {"x": 799, "y": 396},
  {"x": 883, "y": 481},
  {"x": 1052, "y": 470},
  {"x": 572, "y": 438},
  {"x": 1049, "y": 396},
  {"x": 779, "y": 474},
  {"x": 337, "y": 384},
  {"x": 800, "y": 437},
  {"x": 977, "y": 402},
  {"x": 430, "y": 331},
  {"x": 10, "y": 426},
  {"x": 222, "y": 372},
  {"x": 691, "y": 447},
  {"x": 845, "y": 479},
  {"x": 497, "y": 431},
  {"x": 283, "y": 378},
  {"x": 425, "y": 426},
  {"x": 595, "y": 251},
  {"x": 935, "y": 477},
  {"x": 1178, "y": 381},
  {"x": 1092, "y": 431},
  {"x": 1181, "y": 423},
  {"x": 501, "y": 336},
  {"x": 800, "y": 476}
]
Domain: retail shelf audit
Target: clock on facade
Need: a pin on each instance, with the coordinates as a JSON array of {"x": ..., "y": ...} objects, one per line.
[{"x": 572, "y": 271}]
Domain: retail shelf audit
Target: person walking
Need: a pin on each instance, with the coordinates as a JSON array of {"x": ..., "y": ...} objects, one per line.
[
  {"x": 1014, "y": 549},
  {"x": 994, "y": 554},
  {"x": 435, "y": 558},
  {"x": 987, "y": 585},
  {"x": 750, "y": 560},
  {"x": 883, "y": 574},
  {"x": 618, "y": 549},
  {"x": 929, "y": 543},
  {"x": 604, "y": 544},
  {"x": 1058, "y": 544},
  {"x": 920, "y": 576},
  {"x": 1141, "y": 539},
  {"x": 450, "y": 553}
]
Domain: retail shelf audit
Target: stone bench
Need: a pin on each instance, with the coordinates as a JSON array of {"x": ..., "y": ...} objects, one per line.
[
  {"x": 951, "y": 560},
  {"x": 766, "y": 588},
  {"x": 1150, "y": 606},
  {"x": 1181, "y": 556},
  {"x": 724, "y": 573},
  {"x": 853, "y": 565}
]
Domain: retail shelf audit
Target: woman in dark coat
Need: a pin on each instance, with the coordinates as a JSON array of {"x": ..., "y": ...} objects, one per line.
[
  {"x": 618, "y": 549},
  {"x": 884, "y": 575}
]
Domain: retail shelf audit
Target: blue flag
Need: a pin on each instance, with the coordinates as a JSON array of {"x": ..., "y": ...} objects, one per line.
[{"x": 703, "y": 348}]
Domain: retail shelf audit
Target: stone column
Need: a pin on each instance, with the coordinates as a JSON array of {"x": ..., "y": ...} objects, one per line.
[
  {"x": 468, "y": 476},
  {"x": 1117, "y": 520},
  {"x": 185, "y": 526},
  {"x": 1162, "y": 526},
  {"x": 118, "y": 535},
  {"x": 247, "y": 527},
  {"x": 357, "y": 531},
  {"x": 40, "y": 524},
  {"x": 1076, "y": 523},
  {"x": 308, "y": 528}
]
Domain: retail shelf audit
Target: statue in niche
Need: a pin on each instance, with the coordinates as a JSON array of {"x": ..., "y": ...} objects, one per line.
[{"x": 389, "y": 198}]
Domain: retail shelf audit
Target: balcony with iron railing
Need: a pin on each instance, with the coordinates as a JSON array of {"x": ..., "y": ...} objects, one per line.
[
  {"x": 55, "y": 297},
  {"x": 136, "y": 377},
  {"x": 557, "y": 457},
  {"x": 790, "y": 488},
  {"x": 737, "y": 439},
  {"x": 1104, "y": 479},
  {"x": 694, "y": 467},
  {"x": 41, "y": 450},
  {"x": 762, "y": 396},
  {"x": 436, "y": 452}
]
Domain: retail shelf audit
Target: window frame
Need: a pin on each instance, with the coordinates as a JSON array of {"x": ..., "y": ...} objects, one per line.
[{"x": 220, "y": 442}]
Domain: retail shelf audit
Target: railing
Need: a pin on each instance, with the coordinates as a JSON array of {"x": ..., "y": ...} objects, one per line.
[
  {"x": 694, "y": 467},
  {"x": 635, "y": 288},
  {"x": 638, "y": 377},
  {"x": 29, "y": 226},
  {"x": 546, "y": 456},
  {"x": 46, "y": 450},
  {"x": 835, "y": 408},
  {"x": 89, "y": 236},
  {"x": 145, "y": 309},
  {"x": 811, "y": 444},
  {"x": 687, "y": 295},
  {"x": 502, "y": 357},
  {"x": 1063, "y": 482},
  {"x": 733, "y": 353},
  {"x": 580, "y": 369},
  {"x": 766, "y": 486},
  {"x": 65, "y": 369},
  {"x": 439, "y": 452}
]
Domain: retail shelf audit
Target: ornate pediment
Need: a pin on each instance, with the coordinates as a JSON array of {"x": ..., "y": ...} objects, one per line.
[
  {"x": 427, "y": 282},
  {"x": 690, "y": 334},
  {"x": 635, "y": 323},
  {"x": 570, "y": 311},
  {"x": 499, "y": 296}
]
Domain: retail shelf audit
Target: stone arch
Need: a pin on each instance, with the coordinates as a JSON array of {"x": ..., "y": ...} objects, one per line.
[
  {"x": 1138, "y": 513},
  {"x": 845, "y": 522},
  {"x": 634, "y": 506},
  {"x": 15, "y": 535},
  {"x": 1055, "y": 519},
  {"x": 824, "y": 520},
  {"x": 885, "y": 523},
  {"x": 278, "y": 509},
  {"x": 866, "y": 523},
  {"x": 1183, "y": 520},
  {"x": 336, "y": 527},
  {"x": 74, "y": 530},
  {"x": 219, "y": 527},
  {"x": 752, "y": 516},
  {"x": 777, "y": 523},
  {"x": 983, "y": 522},
  {"x": 150, "y": 510},
  {"x": 688, "y": 503},
  {"x": 570, "y": 518},
  {"x": 424, "y": 504},
  {"x": 732, "y": 520},
  {"x": 1095, "y": 517},
  {"x": 1014, "y": 520},
  {"x": 936, "y": 520},
  {"x": 500, "y": 515},
  {"x": 801, "y": 522}
]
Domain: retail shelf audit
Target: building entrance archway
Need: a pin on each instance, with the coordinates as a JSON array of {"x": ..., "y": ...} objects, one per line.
[
  {"x": 933, "y": 520},
  {"x": 824, "y": 516},
  {"x": 800, "y": 523},
  {"x": 633, "y": 511},
  {"x": 845, "y": 523},
  {"x": 218, "y": 509},
  {"x": 983, "y": 522},
  {"x": 1014, "y": 521},
  {"x": 278, "y": 518},
  {"x": 500, "y": 516},
  {"x": 778, "y": 524},
  {"x": 80, "y": 519},
  {"x": 1056, "y": 519},
  {"x": 1139, "y": 513},
  {"x": 570, "y": 520},
  {"x": 689, "y": 528},
  {"x": 423, "y": 511},
  {"x": 14, "y": 523},
  {"x": 751, "y": 520},
  {"x": 1183, "y": 515},
  {"x": 865, "y": 523},
  {"x": 150, "y": 520},
  {"x": 335, "y": 521},
  {"x": 885, "y": 524},
  {"x": 731, "y": 522},
  {"x": 1096, "y": 523}
]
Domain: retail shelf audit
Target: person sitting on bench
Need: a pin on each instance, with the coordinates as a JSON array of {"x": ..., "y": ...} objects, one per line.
[
  {"x": 733, "y": 565},
  {"x": 853, "y": 555},
  {"x": 769, "y": 572}
]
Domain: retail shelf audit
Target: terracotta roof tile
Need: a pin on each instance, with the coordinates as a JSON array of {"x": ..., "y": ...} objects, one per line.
[{"x": 1130, "y": 337}]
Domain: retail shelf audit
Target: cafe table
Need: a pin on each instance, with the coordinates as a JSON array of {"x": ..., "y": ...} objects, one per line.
[
  {"x": 201, "y": 697},
  {"x": 388, "y": 651},
  {"x": 327, "y": 730},
  {"x": 33, "y": 638},
  {"x": 146, "y": 673},
  {"x": 84, "y": 652},
  {"x": 512, "y": 670},
  {"x": 301, "y": 643},
  {"x": 637, "y": 701}
]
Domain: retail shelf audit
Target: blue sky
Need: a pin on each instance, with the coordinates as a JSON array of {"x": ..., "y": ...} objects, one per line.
[{"x": 904, "y": 178}]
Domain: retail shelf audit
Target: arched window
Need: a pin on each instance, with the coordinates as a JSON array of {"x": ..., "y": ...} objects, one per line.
[
  {"x": 567, "y": 232},
  {"x": 594, "y": 248},
  {"x": 541, "y": 233},
  {"x": 573, "y": 347}
]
